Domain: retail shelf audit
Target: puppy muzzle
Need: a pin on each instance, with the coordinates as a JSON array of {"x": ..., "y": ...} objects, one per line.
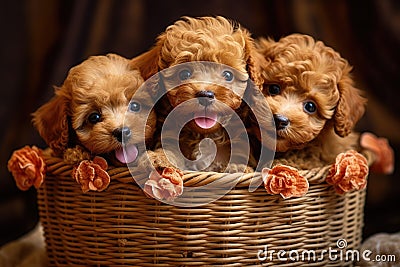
[
  {"x": 281, "y": 122},
  {"x": 122, "y": 134},
  {"x": 205, "y": 98}
]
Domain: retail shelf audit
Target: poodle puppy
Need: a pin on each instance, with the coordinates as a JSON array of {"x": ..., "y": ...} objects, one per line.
[
  {"x": 205, "y": 94},
  {"x": 93, "y": 109},
  {"x": 312, "y": 97}
]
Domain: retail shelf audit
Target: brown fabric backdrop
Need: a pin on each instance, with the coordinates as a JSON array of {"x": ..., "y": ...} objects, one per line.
[{"x": 42, "y": 39}]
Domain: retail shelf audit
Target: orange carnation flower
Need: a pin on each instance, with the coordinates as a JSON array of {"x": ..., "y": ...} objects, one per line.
[
  {"x": 27, "y": 167},
  {"x": 384, "y": 162},
  {"x": 349, "y": 172},
  {"x": 166, "y": 184},
  {"x": 92, "y": 175},
  {"x": 284, "y": 180}
]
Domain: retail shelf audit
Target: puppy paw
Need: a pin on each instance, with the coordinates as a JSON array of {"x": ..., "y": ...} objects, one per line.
[
  {"x": 75, "y": 155},
  {"x": 234, "y": 168},
  {"x": 248, "y": 169},
  {"x": 159, "y": 160},
  {"x": 164, "y": 184}
]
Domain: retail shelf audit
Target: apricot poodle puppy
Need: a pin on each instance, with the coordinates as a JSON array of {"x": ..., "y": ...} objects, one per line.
[
  {"x": 93, "y": 109},
  {"x": 312, "y": 97},
  {"x": 205, "y": 93}
]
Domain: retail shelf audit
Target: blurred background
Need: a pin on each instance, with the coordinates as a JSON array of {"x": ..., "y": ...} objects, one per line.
[{"x": 43, "y": 39}]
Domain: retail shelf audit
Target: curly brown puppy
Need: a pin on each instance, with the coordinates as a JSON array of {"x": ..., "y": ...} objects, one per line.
[
  {"x": 312, "y": 96},
  {"x": 93, "y": 109},
  {"x": 215, "y": 89}
]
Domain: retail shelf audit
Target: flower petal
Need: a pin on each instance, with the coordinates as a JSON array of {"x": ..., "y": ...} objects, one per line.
[
  {"x": 91, "y": 176},
  {"x": 284, "y": 180},
  {"x": 27, "y": 167},
  {"x": 167, "y": 185},
  {"x": 384, "y": 162},
  {"x": 152, "y": 189},
  {"x": 172, "y": 174},
  {"x": 349, "y": 172},
  {"x": 102, "y": 180},
  {"x": 101, "y": 162}
]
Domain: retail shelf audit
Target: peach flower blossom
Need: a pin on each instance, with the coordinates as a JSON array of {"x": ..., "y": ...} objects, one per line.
[
  {"x": 384, "y": 162},
  {"x": 28, "y": 167},
  {"x": 166, "y": 184},
  {"x": 284, "y": 180},
  {"x": 349, "y": 172},
  {"x": 92, "y": 175}
]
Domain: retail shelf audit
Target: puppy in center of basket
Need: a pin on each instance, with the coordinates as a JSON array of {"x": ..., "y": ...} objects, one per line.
[
  {"x": 312, "y": 96},
  {"x": 93, "y": 110},
  {"x": 205, "y": 39}
]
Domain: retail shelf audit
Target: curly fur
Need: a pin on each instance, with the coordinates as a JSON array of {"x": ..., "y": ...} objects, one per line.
[
  {"x": 101, "y": 84},
  {"x": 213, "y": 39},
  {"x": 308, "y": 70}
]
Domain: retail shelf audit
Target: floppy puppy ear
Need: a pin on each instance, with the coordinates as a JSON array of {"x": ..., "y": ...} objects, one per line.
[
  {"x": 148, "y": 64},
  {"x": 51, "y": 121},
  {"x": 351, "y": 105},
  {"x": 255, "y": 62}
]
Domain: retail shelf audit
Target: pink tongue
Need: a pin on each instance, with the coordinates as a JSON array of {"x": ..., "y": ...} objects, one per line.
[
  {"x": 130, "y": 155},
  {"x": 205, "y": 120}
]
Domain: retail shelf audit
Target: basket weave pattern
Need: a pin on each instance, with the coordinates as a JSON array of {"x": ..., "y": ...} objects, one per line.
[{"x": 121, "y": 226}]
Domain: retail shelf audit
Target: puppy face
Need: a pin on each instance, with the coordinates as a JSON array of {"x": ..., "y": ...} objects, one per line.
[
  {"x": 210, "y": 39},
  {"x": 307, "y": 84},
  {"x": 206, "y": 39},
  {"x": 209, "y": 93},
  {"x": 97, "y": 108},
  {"x": 300, "y": 107}
]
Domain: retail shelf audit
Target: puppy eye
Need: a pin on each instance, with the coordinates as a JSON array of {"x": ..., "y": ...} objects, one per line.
[
  {"x": 274, "y": 89},
  {"x": 228, "y": 76},
  {"x": 184, "y": 74},
  {"x": 310, "y": 107},
  {"x": 94, "y": 118},
  {"x": 134, "y": 106}
]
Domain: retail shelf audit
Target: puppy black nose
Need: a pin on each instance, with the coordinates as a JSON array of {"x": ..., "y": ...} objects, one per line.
[
  {"x": 205, "y": 97},
  {"x": 281, "y": 122},
  {"x": 122, "y": 133}
]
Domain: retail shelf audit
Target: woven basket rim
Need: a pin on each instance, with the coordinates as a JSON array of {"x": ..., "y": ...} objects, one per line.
[{"x": 57, "y": 166}]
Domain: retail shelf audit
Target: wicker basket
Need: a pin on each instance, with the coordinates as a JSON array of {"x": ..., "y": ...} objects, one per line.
[{"x": 121, "y": 226}]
